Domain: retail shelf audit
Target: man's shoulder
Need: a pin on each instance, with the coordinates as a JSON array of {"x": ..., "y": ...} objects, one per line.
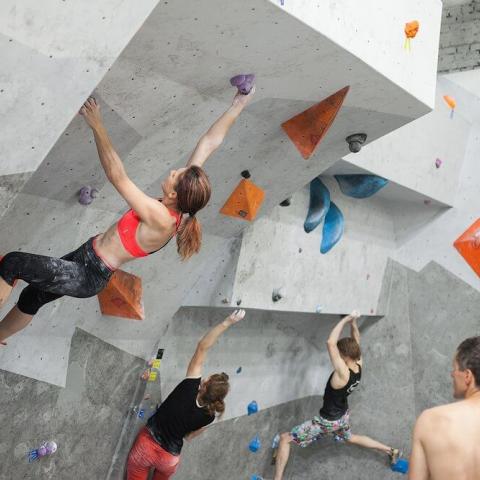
[{"x": 442, "y": 413}]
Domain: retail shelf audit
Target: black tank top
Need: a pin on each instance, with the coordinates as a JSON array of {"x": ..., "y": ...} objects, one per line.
[
  {"x": 179, "y": 415},
  {"x": 335, "y": 403}
]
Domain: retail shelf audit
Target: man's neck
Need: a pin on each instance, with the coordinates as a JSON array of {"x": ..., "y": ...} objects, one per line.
[{"x": 474, "y": 394}]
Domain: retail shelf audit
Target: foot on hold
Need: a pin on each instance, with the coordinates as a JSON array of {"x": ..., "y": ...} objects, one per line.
[{"x": 394, "y": 455}]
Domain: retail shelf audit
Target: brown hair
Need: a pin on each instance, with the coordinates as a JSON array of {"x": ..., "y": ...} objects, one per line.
[
  {"x": 468, "y": 357},
  {"x": 214, "y": 392},
  {"x": 193, "y": 193},
  {"x": 348, "y": 347}
]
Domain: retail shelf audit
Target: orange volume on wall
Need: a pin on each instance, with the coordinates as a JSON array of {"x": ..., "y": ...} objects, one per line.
[
  {"x": 468, "y": 245},
  {"x": 245, "y": 201},
  {"x": 122, "y": 297}
]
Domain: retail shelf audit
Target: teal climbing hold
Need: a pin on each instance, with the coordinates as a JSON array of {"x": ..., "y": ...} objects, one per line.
[
  {"x": 360, "y": 185},
  {"x": 332, "y": 228},
  {"x": 319, "y": 205}
]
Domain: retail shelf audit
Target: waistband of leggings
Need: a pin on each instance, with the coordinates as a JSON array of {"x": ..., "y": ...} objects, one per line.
[
  {"x": 159, "y": 441},
  {"x": 101, "y": 264}
]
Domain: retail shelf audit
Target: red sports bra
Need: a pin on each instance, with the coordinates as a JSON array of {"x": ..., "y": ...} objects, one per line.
[{"x": 127, "y": 229}]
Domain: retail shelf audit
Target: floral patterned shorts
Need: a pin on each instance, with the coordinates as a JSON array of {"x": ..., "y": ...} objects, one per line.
[{"x": 312, "y": 430}]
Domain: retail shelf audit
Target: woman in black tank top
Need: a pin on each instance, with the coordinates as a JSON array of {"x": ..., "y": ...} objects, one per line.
[
  {"x": 334, "y": 418},
  {"x": 193, "y": 404}
]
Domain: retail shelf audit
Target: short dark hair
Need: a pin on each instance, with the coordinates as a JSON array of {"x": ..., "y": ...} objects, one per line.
[
  {"x": 468, "y": 357},
  {"x": 348, "y": 347}
]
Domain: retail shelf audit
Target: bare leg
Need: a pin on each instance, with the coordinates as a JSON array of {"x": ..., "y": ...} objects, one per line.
[
  {"x": 282, "y": 455},
  {"x": 5, "y": 290},
  {"x": 367, "y": 442},
  {"x": 14, "y": 321}
]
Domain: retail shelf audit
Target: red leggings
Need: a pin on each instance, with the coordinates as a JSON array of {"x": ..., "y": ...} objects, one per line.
[{"x": 145, "y": 454}]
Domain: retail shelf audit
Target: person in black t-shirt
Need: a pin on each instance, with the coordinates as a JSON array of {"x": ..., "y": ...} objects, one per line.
[
  {"x": 334, "y": 417},
  {"x": 193, "y": 404}
]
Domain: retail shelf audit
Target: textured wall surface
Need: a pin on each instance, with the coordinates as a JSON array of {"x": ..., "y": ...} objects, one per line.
[
  {"x": 85, "y": 418},
  {"x": 460, "y": 37},
  {"x": 54, "y": 53}
]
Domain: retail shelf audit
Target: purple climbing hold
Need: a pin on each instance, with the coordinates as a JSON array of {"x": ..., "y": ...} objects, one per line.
[
  {"x": 42, "y": 451},
  {"x": 438, "y": 163},
  {"x": 87, "y": 194},
  {"x": 243, "y": 82},
  {"x": 47, "y": 448}
]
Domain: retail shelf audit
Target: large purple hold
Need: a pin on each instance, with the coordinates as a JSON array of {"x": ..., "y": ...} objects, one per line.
[{"x": 243, "y": 82}]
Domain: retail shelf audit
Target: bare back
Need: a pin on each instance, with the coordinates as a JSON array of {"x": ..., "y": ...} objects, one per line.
[
  {"x": 450, "y": 437},
  {"x": 111, "y": 249}
]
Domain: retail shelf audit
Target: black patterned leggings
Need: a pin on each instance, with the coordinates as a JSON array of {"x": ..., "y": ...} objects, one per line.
[{"x": 81, "y": 273}]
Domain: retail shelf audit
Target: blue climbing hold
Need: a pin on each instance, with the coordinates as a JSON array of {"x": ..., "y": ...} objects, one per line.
[
  {"x": 256, "y": 477},
  {"x": 359, "y": 185},
  {"x": 252, "y": 407},
  {"x": 319, "y": 205},
  {"x": 401, "y": 466},
  {"x": 239, "y": 370},
  {"x": 332, "y": 228},
  {"x": 254, "y": 445}
]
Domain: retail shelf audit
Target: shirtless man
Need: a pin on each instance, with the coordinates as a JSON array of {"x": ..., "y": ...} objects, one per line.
[{"x": 446, "y": 439}]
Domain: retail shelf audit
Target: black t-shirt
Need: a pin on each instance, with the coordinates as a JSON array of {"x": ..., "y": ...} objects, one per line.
[
  {"x": 335, "y": 403},
  {"x": 179, "y": 415}
]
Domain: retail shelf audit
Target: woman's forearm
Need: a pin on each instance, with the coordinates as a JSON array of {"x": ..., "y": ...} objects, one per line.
[
  {"x": 211, "y": 337},
  {"x": 335, "y": 333},
  {"x": 111, "y": 162},
  {"x": 218, "y": 131}
]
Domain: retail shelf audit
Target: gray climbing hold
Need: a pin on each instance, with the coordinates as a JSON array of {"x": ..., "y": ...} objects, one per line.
[
  {"x": 278, "y": 294},
  {"x": 86, "y": 195}
]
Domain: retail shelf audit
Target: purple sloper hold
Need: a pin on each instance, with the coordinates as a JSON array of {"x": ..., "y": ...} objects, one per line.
[
  {"x": 243, "y": 82},
  {"x": 87, "y": 194}
]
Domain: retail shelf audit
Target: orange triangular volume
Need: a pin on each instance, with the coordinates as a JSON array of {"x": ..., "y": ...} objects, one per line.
[
  {"x": 307, "y": 129},
  {"x": 122, "y": 297},
  {"x": 468, "y": 245},
  {"x": 245, "y": 201}
]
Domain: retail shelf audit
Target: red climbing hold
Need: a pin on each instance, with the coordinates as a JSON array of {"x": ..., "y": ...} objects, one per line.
[
  {"x": 122, "y": 297},
  {"x": 307, "y": 129},
  {"x": 468, "y": 245}
]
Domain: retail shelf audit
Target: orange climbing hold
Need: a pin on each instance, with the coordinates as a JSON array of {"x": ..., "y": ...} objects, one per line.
[
  {"x": 450, "y": 101},
  {"x": 122, "y": 297},
  {"x": 245, "y": 201},
  {"x": 307, "y": 129},
  {"x": 468, "y": 245},
  {"x": 411, "y": 30}
]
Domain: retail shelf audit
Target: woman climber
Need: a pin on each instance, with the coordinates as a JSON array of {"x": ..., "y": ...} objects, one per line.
[
  {"x": 147, "y": 227},
  {"x": 193, "y": 404}
]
